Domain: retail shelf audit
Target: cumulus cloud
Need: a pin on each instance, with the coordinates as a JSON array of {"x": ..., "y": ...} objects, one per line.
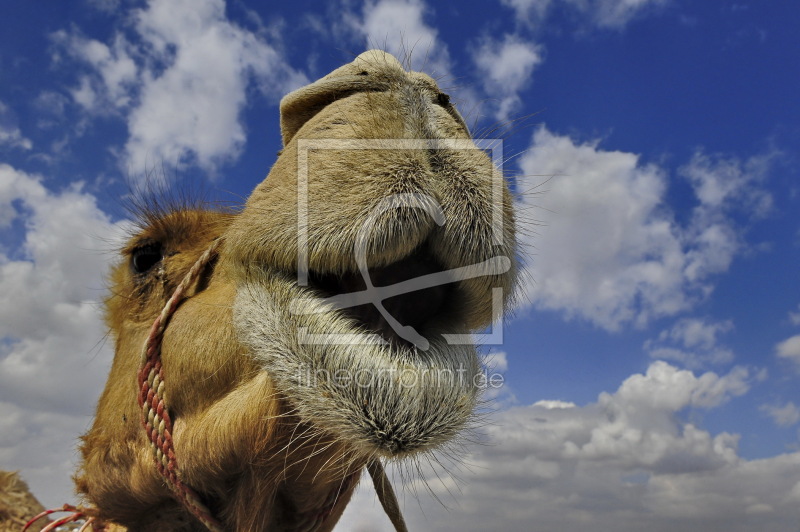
[
  {"x": 608, "y": 14},
  {"x": 51, "y": 106},
  {"x": 52, "y": 350},
  {"x": 608, "y": 248},
  {"x": 722, "y": 183},
  {"x": 180, "y": 79},
  {"x": 783, "y": 415},
  {"x": 628, "y": 461},
  {"x": 404, "y": 29},
  {"x": 794, "y": 317},
  {"x": 10, "y": 135},
  {"x": 789, "y": 348},
  {"x": 604, "y": 245},
  {"x": 505, "y": 67},
  {"x": 692, "y": 342},
  {"x": 496, "y": 361},
  {"x": 115, "y": 75},
  {"x": 109, "y": 6},
  {"x": 400, "y": 27},
  {"x": 554, "y": 403},
  {"x": 42, "y": 446},
  {"x": 496, "y": 392},
  {"x": 615, "y": 14},
  {"x": 532, "y": 12}
]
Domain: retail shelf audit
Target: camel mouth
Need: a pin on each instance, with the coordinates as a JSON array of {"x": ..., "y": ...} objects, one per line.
[
  {"x": 347, "y": 357},
  {"x": 408, "y": 318}
]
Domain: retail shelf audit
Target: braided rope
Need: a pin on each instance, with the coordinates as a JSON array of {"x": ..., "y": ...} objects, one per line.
[
  {"x": 76, "y": 514},
  {"x": 158, "y": 425},
  {"x": 152, "y": 400}
]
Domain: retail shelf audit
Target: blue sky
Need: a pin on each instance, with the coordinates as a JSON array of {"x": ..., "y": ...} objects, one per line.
[{"x": 652, "y": 365}]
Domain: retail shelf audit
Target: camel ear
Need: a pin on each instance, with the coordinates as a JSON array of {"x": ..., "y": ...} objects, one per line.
[{"x": 372, "y": 71}]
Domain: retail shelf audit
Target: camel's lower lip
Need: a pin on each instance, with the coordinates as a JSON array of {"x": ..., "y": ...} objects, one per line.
[
  {"x": 376, "y": 397},
  {"x": 415, "y": 308}
]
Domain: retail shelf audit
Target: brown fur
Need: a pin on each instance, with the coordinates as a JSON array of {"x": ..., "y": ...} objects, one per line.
[
  {"x": 245, "y": 443},
  {"x": 229, "y": 422},
  {"x": 17, "y": 504}
]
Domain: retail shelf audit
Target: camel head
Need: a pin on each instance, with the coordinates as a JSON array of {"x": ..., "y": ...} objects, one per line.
[{"x": 330, "y": 327}]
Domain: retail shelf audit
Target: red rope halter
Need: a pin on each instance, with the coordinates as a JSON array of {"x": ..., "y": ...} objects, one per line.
[
  {"x": 158, "y": 427},
  {"x": 152, "y": 400}
]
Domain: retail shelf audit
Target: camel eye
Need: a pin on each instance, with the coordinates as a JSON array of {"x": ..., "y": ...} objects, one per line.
[
  {"x": 443, "y": 99},
  {"x": 145, "y": 257}
]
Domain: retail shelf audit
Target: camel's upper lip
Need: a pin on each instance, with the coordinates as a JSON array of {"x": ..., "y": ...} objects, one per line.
[{"x": 415, "y": 308}]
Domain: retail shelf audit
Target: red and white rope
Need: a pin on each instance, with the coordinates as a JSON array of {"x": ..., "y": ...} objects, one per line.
[
  {"x": 76, "y": 514},
  {"x": 157, "y": 423},
  {"x": 152, "y": 400}
]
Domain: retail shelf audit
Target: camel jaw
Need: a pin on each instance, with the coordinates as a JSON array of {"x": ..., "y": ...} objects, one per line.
[{"x": 379, "y": 393}]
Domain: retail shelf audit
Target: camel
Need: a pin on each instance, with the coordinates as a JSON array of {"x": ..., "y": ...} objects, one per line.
[
  {"x": 264, "y": 358},
  {"x": 17, "y": 503}
]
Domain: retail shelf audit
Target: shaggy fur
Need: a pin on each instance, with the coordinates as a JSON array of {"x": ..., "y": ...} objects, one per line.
[
  {"x": 265, "y": 429},
  {"x": 17, "y": 504}
]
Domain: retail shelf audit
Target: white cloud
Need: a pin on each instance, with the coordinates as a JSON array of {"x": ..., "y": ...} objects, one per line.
[
  {"x": 794, "y": 317},
  {"x": 667, "y": 388},
  {"x": 784, "y": 416},
  {"x": 109, "y": 6},
  {"x": 626, "y": 462},
  {"x": 604, "y": 244},
  {"x": 609, "y": 14},
  {"x": 400, "y": 27},
  {"x": 608, "y": 248},
  {"x": 505, "y": 68},
  {"x": 697, "y": 333},
  {"x": 692, "y": 342},
  {"x": 42, "y": 446},
  {"x": 722, "y": 183},
  {"x": 496, "y": 392},
  {"x": 789, "y": 348},
  {"x": 615, "y": 14},
  {"x": 112, "y": 84},
  {"x": 181, "y": 84},
  {"x": 51, "y": 106},
  {"x": 532, "y": 12},
  {"x": 53, "y": 358},
  {"x": 496, "y": 361},
  {"x": 10, "y": 135},
  {"x": 554, "y": 403}
]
